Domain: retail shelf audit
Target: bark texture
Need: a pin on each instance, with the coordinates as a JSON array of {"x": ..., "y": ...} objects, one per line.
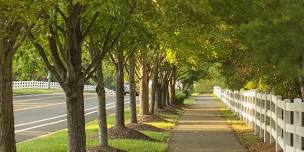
[
  {"x": 76, "y": 121},
  {"x": 164, "y": 89},
  {"x": 120, "y": 121},
  {"x": 144, "y": 98},
  {"x": 172, "y": 86},
  {"x": 102, "y": 115},
  {"x": 132, "y": 88},
  {"x": 154, "y": 87},
  {"x": 158, "y": 97},
  {"x": 7, "y": 129}
]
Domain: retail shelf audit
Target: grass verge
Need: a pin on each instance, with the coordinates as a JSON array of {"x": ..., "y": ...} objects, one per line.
[
  {"x": 189, "y": 101},
  {"x": 243, "y": 131},
  {"x": 57, "y": 141},
  {"x": 30, "y": 91}
]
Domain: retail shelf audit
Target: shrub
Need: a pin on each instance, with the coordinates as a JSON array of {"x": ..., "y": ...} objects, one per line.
[{"x": 180, "y": 96}]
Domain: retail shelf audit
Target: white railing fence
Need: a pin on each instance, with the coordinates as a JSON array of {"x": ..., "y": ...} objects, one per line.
[
  {"x": 53, "y": 85},
  {"x": 273, "y": 119}
]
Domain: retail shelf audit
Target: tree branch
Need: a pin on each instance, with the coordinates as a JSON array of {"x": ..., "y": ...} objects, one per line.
[
  {"x": 98, "y": 56},
  {"x": 95, "y": 16},
  {"x": 61, "y": 13},
  {"x": 45, "y": 59}
]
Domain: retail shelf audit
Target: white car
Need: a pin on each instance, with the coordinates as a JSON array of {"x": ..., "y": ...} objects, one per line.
[{"x": 126, "y": 89}]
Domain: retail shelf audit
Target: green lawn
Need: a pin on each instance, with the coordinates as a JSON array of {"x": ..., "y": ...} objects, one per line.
[
  {"x": 57, "y": 142},
  {"x": 189, "y": 101},
  {"x": 29, "y": 91},
  {"x": 32, "y": 91}
]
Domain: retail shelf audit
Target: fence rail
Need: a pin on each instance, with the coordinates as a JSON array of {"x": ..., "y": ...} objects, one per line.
[
  {"x": 273, "y": 119},
  {"x": 53, "y": 85}
]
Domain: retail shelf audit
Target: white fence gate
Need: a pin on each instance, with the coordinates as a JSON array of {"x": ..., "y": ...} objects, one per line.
[
  {"x": 54, "y": 85},
  {"x": 273, "y": 119}
]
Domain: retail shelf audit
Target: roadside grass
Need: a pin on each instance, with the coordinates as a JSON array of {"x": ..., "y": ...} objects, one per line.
[
  {"x": 195, "y": 94},
  {"x": 189, "y": 101},
  {"x": 30, "y": 91},
  {"x": 57, "y": 141},
  {"x": 241, "y": 129}
]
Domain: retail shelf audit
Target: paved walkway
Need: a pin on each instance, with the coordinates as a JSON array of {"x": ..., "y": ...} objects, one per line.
[{"x": 202, "y": 128}]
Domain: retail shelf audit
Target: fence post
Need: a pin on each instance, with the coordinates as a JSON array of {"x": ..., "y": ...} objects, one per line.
[
  {"x": 264, "y": 116},
  {"x": 286, "y": 120},
  {"x": 297, "y": 123},
  {"x": 269, "y": 100},
  {"x": 254, "y": 99},
  {"x": 277, "y": 98},
  {"x": 261, "y": 115}
]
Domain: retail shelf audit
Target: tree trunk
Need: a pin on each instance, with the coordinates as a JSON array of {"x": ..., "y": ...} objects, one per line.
[
  {"x": 159, "y": 91},
  {"x": 154, "y": 88},
  {"x": 102, "y": 115},
  {"x": 7, "y": 129},
  {"x": 168, "y": 94},
  {"x": 76, "y": 120},
  {"x": 153, "y": 96},
  {"x": 144, "y": 100},
  {"x": 164, "y": 93},
  {"x": 132, "y": 88},
  {"x": 158, "y": 96},
  {"x": 120, "y": 121},
  {"x": 172, "y": 87},
  {"x": 75, "y": 80}
]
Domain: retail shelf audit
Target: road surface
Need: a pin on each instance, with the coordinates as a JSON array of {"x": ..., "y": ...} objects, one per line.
[{"x": 37, "y": 115}]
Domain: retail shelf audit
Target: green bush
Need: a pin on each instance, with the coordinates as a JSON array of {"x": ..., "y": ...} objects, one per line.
[
  {"x": 204, "y": 86},
  {"x": 180, "y": 96}
]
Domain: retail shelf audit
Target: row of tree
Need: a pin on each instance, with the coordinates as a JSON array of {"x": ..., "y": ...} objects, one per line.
[
  {"x": 73, "y": 39},
  {"x": 252, "y": 44}
]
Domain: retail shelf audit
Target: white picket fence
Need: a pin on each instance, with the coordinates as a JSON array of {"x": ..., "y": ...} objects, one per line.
[
  {"x": 54, "y": 85},
  {"x": 273, "y": 119}
]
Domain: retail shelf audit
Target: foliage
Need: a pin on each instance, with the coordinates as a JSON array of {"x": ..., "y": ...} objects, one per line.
[
  {"x": 180, "y": 96},
  {"x": 28, "y": 65},
  {"x": 204, "y": 86}
]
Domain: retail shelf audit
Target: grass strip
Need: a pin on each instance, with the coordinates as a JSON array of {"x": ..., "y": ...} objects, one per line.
[
  {"x": 30, "y": 91},
  {"x": 57, "y": 141},
  {"x": 243, "y": 131}
]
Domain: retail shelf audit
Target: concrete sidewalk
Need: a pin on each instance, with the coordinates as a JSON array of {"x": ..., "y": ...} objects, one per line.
[{"x": 202, "y": 128}]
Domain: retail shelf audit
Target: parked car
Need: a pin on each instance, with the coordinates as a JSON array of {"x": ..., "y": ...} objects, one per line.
[{"x": 127, "y": 90}]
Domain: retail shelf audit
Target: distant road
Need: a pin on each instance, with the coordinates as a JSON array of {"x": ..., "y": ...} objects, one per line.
[{"x": 37, "y": 115}]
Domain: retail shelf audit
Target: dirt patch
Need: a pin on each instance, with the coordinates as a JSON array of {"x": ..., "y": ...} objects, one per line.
[
  {"x": 169, "y": 111},
  {"x": 150, "y": 118},
  {"x": 126, "y": 133},
  {"x": 105, "y": 149},
  {"x": 263, "y": 147},
  {"x": 137, "y": 126}
]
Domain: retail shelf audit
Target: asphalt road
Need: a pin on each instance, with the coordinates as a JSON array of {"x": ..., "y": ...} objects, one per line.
[{"x": 37, "y": 115}]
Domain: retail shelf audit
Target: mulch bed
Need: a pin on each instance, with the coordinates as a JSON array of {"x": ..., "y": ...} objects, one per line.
[
  {"x": 169, "y": 111},
  {"x": 150, "y": 118},
  {"x": 126, "y": 133},
  {"x": 105, "y": 149},
  {"x": 143, "y": 127}
]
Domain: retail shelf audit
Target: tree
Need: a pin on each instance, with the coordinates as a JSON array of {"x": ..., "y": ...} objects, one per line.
[
  {"x": 66, "y": 29},
  {"x": 12, "y": 34},
  {"x": 98, "y": 46},
  {"x": 132, "y": 64},
  {"x": 144, "y": 87}
]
